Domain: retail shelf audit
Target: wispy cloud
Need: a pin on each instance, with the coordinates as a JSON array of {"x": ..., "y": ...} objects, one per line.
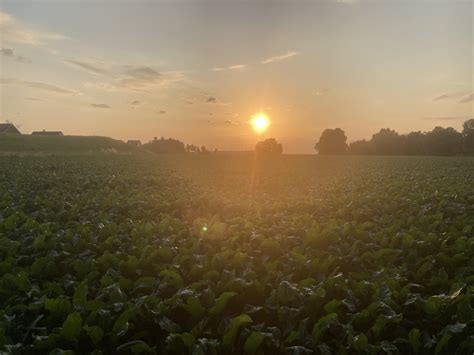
[
  {"x": 441, "y": 97},
  {"x": 281, "y": 57},
  {"x": 39, "y": 85},
  {"x": 162, "y": 112},
  {"x": 10, "y": 52},
  {"x": 467, "y": 98},
  {"x": 100, "y": 106},
  {"x": 211, "y": 100},
  {"x": 87, "y": 66},
  {"x": 33, "y": 99},
  {"x": 135, "y": 103},
  {"x": 232, "y": 67},
  {"x": 446, "y": 118},
  {"x": 14, "y": 31},
  {"x": 136, "y": 78},
  {"x": 347, "y": 2}
]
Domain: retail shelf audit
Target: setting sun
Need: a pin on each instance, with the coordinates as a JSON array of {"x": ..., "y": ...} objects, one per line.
[{"x": 260, "y": 122}]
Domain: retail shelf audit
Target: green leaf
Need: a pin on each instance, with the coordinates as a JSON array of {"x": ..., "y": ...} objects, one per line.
[
  {"x": 221, "y": 303},
  {"x": 443, "y": 343},
  {"x": 414, "y": 337},
  {"x": 135, "y": 347},
  {"x": 95, "y": 333},
  {"x": 72, "y": 327},
  {"x": 253, "y": 342},
  {"x": 80, "y": 295},
  {"x": 322, "y": 325},
  {"x": 332, "y": 306},
  {"x": 58, "y": 306},
  {"x": 193, "y": 307},
  {"x": 121, "y": 324},
  {"x": 361, "y": 342},
  {"x": 233, "y": 328}
]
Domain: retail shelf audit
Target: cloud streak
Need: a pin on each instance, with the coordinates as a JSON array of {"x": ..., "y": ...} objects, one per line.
[
  {"x": 232, "y": 67},
  {"x": 467, "y": 98},
  {"x": 39, "y": 85},
  {"x": 281, "y": 57},
  {"x": 441, "y": 97},
  {"x": 89, "y": 67},
  {"x": 100, "y": 106},
  {"x": 14, "y": 31},
  {"x": 10, "y": 52}
]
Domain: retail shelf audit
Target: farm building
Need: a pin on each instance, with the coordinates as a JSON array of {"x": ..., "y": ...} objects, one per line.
[
  {"x": 8, "y": 128},
  {"x": 134, "y": 142},
  {"x": 47, "y": 133}
]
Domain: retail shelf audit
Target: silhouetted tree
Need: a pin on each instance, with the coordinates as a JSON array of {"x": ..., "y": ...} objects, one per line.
[
  {"x": 387, "y": 142},
  {"x": 361, "y": 147},
  {"x": 204, "y": 150},
  {"x": 168, "y": 145},
  {"x": 332, "y": 141},
  {"x": 269, "y": 146},
  {"x": 414, "y": 143},
  {"x": 444, "y": 141},
  {"x": 468, "y": 136}
]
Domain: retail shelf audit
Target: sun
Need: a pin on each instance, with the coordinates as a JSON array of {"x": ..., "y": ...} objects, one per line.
[{"x": 260, "y": 122}]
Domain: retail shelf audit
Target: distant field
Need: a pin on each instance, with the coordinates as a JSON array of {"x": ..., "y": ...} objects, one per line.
[
  {"x": 230, "y": 254},
  {"x": 40, "y": 145}
]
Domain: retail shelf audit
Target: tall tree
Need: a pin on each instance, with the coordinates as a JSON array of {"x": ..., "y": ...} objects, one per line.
[
  {"x": 332, "y": 141},
  {"x": 444, "y": 141},
  {"x": 269, "y": 146},
  {"x": 468, "y": 135}
]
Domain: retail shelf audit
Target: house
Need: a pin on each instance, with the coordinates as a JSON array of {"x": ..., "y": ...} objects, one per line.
[
  {"x": 47, "y": 133},
  {"x": 8, "y": 128},
  {"x": 134, "y": 142}
]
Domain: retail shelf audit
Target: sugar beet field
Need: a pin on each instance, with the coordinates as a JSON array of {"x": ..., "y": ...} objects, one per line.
[{"x": 226, "y": 254}]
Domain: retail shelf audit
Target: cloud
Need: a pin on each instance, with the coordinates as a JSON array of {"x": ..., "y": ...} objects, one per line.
[
  {"x": 135, "y": 103},
  {"x": 136, "y": 78},
  {"x": 38, "y": 85},
  {"x": 441, "y": 97},
  {"x": 100, "y": 106},
  {"x": 14, "y": 31},
  {"x": 33, "y": 99},
  {"x": 211, "y": 100},
  {"x": 162, "y": 112},
  {"x": 280, "y": 57},
  {"x": 446, "y": 118},
  {"x": 467, "y": 98},
  {"x": 232, "y": 67},
  {"x": 189, "y": 102},
  {"x": 9, "y": 52},
  {"x": 6, "y": 52},
  {"x": 347, "y": 2},
  {"x": 90, "y": 67}
]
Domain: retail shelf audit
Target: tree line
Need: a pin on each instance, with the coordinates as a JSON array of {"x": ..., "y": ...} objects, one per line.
[{"x": 439, "y": 141}]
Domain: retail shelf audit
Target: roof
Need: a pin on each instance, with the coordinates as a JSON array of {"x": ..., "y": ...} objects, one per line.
[
  {"x": 8, "y": 128},
  {"x": 47, "y": 133}
]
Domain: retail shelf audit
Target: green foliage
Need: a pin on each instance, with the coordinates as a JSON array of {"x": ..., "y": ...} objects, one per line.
[{"x": 212, "y": 254}]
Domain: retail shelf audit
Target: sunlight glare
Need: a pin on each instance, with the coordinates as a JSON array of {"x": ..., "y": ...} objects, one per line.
[{"x": 260, "y": 122}]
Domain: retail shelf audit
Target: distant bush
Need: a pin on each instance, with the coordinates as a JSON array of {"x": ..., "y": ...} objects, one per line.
[
  {"x": 269, "y": 146},
  {"x": 165, "y": 145}
]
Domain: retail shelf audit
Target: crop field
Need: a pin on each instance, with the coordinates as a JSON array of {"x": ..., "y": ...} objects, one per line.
[{"x": 229, "y": 254}]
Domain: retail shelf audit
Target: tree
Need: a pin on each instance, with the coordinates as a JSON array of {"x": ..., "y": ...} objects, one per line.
[
  {"x": 361, "y": 147},
  {"x": 444, "y": 141},
  {"x": 269, "y": 146},
  {"x": 332, "y": 141},
  {"x": 387, "y": 142},
  {"x": 168, "y": 145},
  {"x": 414, "y": 143},
  {"x": 468, "y": 136}
]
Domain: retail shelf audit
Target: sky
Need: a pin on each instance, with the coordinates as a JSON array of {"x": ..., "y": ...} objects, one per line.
[{"x": 198, "y": 70}]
